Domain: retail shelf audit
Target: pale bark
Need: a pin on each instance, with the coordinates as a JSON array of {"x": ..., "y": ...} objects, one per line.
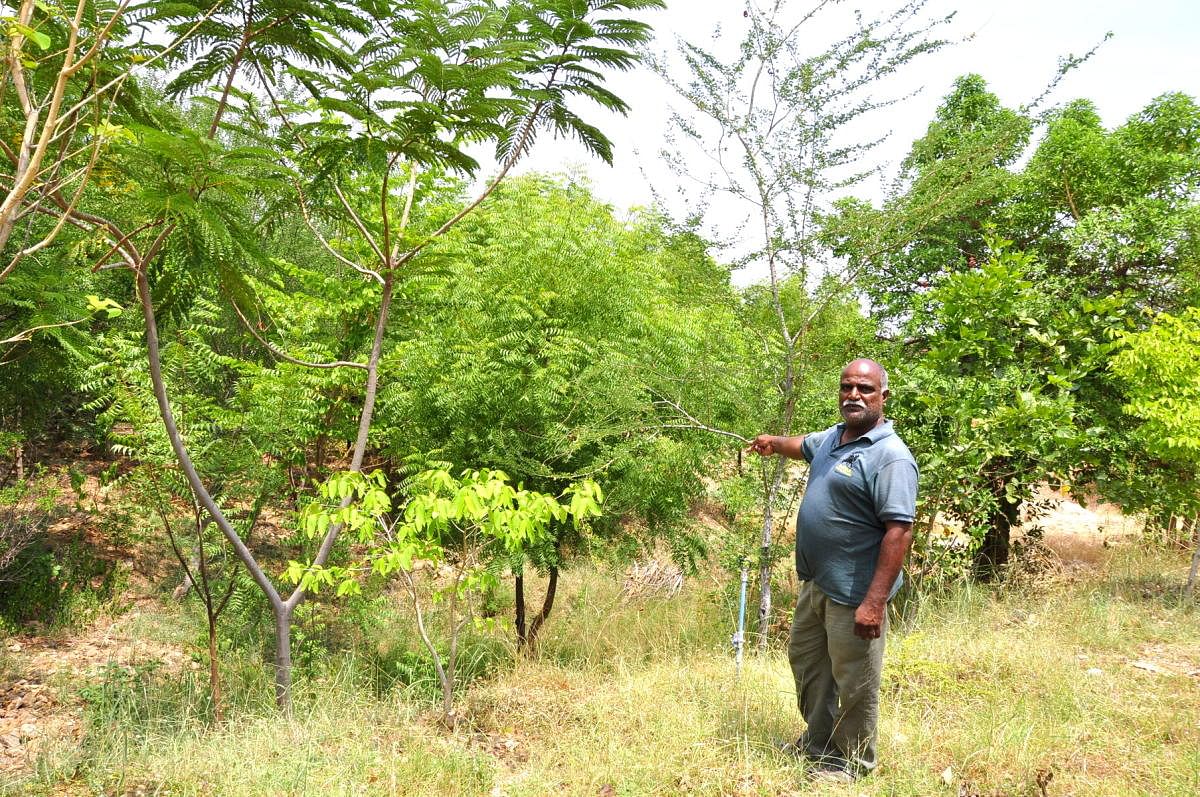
[{"x": 1190, "y": 587}]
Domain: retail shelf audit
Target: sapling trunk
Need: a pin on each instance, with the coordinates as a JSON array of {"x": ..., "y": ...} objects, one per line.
[
  {"x": 540, "y": 618},
  {"x": 445, "y": 679},
  {"x": 282, "y": 612},
  {"x": 283, "y": 654},
  {"x": 214, "y": 670},
  {"x": 1190, "y": 588},
  {"x": 519, "y": 605},
  {"x": 766, "y": 561}
]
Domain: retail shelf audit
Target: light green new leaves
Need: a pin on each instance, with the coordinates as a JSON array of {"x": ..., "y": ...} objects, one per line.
[
  {"x": 1161, "y": 367},
  {"x": 486, "y": 503},
  {"x": 355, "y": 500},
  {"x": 13, "y": 29},
  {"x": 475, "y": 517},
  {"x": 108, "y": 307}
]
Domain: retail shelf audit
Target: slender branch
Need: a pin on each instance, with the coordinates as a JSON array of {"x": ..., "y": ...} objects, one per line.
[
  {"x": 358, "y": 222},
  {"x": 701, "y": 427},
  {"x": 21, "y": 337},
  {"x": 364, "y": 429},
  {"x": 158, "y": 56},
  {"x": 422, "y": 631},
  {"x": 234, "y": 63},
  {"x": 692, "y": 422},
  {"x": 100, "y": 38},
  {"x": 408, "y": 204},
  {"x": 160, "y": 510},
  {"x": 383, "y": 202},
  {"x": 121, "y": 242},
  {"x": 154, "y": 359},
  {"x": 31, "y": 166},
  {"x": 304, "y": 213},
  {"x": 284, "y": 355},
  {"x": 522, "y": 143}
]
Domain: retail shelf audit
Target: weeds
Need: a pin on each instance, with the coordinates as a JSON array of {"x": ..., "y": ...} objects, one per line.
[{"x": 990, "y": 692}]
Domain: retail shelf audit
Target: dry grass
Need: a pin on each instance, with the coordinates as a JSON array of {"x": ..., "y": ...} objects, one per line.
[{"x": 989, "y": 692}]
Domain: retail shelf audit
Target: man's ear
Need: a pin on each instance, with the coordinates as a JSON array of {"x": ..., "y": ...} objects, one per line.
[{"x": 886, "y": 395}]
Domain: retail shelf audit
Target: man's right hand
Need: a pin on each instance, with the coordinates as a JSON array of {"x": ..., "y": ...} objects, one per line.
[
  {"x": 768, "y": 445},
  {"x": 764, "y": 445}
]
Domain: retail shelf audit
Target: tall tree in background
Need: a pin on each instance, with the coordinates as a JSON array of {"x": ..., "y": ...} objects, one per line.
[
  {"x": 1111, "y": 211},
  {"x": 1110, "y": 220},
  {"x": 775, "y": 118}
]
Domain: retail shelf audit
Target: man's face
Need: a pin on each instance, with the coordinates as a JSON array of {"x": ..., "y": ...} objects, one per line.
[{"x": 860, "y": 397}]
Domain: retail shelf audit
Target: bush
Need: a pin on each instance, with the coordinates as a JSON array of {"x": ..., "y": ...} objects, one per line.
[{"x": 59, "y": 587}]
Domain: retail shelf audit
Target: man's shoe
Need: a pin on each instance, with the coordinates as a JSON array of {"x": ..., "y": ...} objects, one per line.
[
  {"x": 790, "y": 747},
  {"x": 831, "y": 774}
]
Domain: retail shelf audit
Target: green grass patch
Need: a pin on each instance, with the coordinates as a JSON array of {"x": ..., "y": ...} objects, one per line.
[{"x": 1081, "y": 686}]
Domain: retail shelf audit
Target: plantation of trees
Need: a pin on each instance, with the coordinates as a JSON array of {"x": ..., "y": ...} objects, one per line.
[{"x": 340, "y": 454}]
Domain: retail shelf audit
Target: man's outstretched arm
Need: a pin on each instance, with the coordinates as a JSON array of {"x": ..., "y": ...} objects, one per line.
[{"x": 769, "y": 444}]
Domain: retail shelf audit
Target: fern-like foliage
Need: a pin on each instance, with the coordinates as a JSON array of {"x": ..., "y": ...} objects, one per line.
[
  {"x": 254, "y": 39},
  {"x": 570, "y": 42},
  {"x": 441, "y": 75}
]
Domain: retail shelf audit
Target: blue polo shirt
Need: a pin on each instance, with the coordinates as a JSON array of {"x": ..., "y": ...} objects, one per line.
[{"x": 852, "y": 489}]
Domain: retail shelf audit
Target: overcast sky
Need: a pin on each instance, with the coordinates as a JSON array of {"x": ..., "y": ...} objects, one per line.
[{"x": 1014, "y": 44}]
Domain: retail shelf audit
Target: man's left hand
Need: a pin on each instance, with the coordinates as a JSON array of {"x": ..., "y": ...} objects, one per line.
[{"x": 868, "y": 620}]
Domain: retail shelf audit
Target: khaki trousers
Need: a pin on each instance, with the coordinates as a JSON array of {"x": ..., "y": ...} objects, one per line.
[{"x": 837, "y": 681}]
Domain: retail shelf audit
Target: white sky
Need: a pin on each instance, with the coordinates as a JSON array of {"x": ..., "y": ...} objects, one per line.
[{"x": 1015, "y": 46}]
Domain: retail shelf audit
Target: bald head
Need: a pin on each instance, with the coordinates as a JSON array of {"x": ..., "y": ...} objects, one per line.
[{"x": 868, "y": 367}]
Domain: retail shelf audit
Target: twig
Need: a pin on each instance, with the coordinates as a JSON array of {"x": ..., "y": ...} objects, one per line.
[
  {"x": 284, "y": 355},
  {"x": 693, "y": 423},
  {"x": 21, "y": 337}
]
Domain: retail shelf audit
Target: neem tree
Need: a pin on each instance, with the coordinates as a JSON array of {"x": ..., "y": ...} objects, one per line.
[{"x": 1110, "y": 224}]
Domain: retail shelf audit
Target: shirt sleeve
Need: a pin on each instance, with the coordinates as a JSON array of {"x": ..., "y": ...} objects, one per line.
[
  {"x": 895, "y": 491},
  {"x": 812, "y": 443}
]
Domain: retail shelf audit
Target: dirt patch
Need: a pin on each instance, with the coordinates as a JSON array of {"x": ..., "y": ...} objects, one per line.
[
  {"x": 1168, "y": 660},
  {"x": 1076, "y": 533},
  {"x": 38, "y": 698}
]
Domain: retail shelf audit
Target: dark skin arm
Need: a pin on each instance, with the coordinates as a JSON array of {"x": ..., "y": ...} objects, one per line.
[
  {"x": 769, "y": 444},
  {"x": 868, "y": 618}
]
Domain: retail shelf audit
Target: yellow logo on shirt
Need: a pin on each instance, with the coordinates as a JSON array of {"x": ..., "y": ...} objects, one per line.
[{"x": 844, "y": 468}]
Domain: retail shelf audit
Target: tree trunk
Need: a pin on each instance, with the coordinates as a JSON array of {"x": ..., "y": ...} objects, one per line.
[
  {"x": 1190, "y": 588},
  {"x": 282, "y": 611},
  {"x": 214, "y": 671},
  {"x": 540, "y": 618},
  {"x": 283, "y": 655},
  {"x": 766, "y": 562},
  {"x": 20, "y": 463},
  {"x": 992, "y": 555},
  {"x": 519, "y": 606}
]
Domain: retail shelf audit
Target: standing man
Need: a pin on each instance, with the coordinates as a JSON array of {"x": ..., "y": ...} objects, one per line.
[{"x": 853, "y": 531}]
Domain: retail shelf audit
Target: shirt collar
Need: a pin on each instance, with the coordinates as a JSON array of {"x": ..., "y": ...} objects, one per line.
[{"x": 874, "y": 436}]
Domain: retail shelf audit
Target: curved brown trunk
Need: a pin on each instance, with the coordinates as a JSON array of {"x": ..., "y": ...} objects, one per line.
[
  {"x": 993, "y": 553},
  {"x": 539, "y": 619}
]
